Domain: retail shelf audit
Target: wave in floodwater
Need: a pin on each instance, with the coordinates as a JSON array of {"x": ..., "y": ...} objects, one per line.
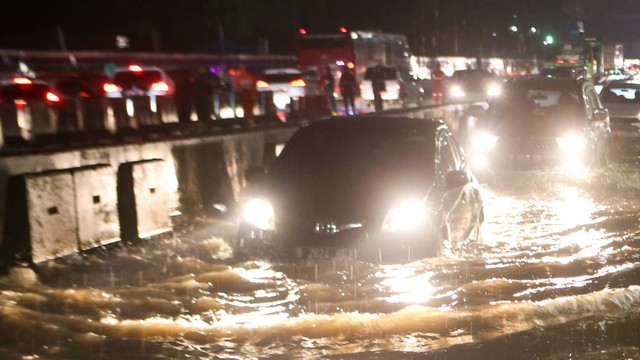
[{"x": 556, "y": 274}]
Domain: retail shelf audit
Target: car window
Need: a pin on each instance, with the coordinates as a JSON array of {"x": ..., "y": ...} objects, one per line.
[
  {"x": 593, "y": 102},
  {"x": 448, "y": 159},
  {"x": 622, "y": 94}
]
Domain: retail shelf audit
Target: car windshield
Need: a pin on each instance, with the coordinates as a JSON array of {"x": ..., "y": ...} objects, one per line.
[
  {"x": 355, "y": 151},
  {"x": 536, "y": 101},
  {"x": 621, "y": 94}
]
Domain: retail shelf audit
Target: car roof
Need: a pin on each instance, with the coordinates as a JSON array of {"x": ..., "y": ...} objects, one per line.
[
  {"x": 622, "y": 83},
  {"x": 545, "y": 82},
  {"x": 273, "y": 71},
  {"x": 368, "y": 121}
]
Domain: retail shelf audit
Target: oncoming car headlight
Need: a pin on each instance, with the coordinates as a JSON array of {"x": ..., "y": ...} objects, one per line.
[
  {"x": 484, "y": 141},
  {"x": 571, "y": 143},
  {"x": 456, "y": 91},
  {"x": 405, "y": 216},
  {"x": 493, "y": 90},
  {"x": 259, "y": 213}
]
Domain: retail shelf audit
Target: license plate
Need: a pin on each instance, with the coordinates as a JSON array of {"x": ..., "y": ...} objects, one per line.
[{"x": 323, "y": 253}]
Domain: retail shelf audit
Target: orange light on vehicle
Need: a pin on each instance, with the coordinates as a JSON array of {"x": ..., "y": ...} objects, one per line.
[
  {"x": 343, "y": 29},
  {"x": 110, "y": 88},
  {"x": 559, "y": 61},
  {"x": 262, "y": 84},
  {"x": 351, "y": 65},
  {"x": 135, "y": 68},
  {"x": 52, "y": 97},
  {"x": 302, "y": 31},
  {"x": 160, "y": 86},
  {"x": 297, "y": 82},
  {"x": 22, "y": 81}
]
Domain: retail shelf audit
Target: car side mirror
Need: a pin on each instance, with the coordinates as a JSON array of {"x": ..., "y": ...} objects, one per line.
[
  {"x": 456, "y": 178},
  {"x": 255, "y": 175},
  {"x": 600, "y": 115}
]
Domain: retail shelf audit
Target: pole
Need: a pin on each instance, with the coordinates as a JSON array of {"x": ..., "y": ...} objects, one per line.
[{"x": 61, "y": 40}]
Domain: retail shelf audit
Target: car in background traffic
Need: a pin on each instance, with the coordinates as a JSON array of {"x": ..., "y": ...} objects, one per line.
[
  {"x": 136, "y": 80},
  {"x": 539, "y": 123},
  {"x": 370, "y": 187},
  {"x": 27, "y": 106},
  {"x": 472, "y": 85},
  {"x": 81, "y": 99},
  {"x": 289, "y": 83}
]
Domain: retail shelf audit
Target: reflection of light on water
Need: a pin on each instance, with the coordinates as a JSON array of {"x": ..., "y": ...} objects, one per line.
[
  {"x": 573, "y": 209},
  {"x": 405, "y": 286}
]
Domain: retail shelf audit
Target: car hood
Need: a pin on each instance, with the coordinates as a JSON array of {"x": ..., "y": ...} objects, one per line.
[
  {"x": 532, "y": 124},
  {"x": 339, "y": 198}
]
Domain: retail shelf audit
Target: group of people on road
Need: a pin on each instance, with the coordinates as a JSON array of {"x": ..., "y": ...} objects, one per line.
[{"x": 245, "y": 84}]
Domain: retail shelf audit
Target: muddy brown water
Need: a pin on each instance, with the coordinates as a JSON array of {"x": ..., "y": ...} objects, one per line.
[{"x": 557, "y": 276}]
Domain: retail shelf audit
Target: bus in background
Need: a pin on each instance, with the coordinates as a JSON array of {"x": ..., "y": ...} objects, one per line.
[
  {"x": 586, "y": 54},
  {"x": 357, "y": 49}
]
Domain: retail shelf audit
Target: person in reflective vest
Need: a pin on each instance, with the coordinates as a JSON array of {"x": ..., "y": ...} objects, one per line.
[
  {"x": 246, "y": 86},
  {"x": 437, "y": 93}
]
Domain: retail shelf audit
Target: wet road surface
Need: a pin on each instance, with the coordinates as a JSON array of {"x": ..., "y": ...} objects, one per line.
[{"x": 557, "y": 276}]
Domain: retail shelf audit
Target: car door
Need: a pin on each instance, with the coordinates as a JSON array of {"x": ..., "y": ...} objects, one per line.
[{"x": 456, "y": 201}]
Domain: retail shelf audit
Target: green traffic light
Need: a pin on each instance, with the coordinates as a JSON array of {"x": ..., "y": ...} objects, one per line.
[{"x": 549, "y": 39}]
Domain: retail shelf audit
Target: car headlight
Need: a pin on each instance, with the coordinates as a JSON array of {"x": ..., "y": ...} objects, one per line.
[
  {"x": 571, "y": 143},
  {"x": 493, "y": 90},
  {"x": 484, "y": 141},
  {"x": 456, "y": 91},
  {"x": 405, "y": 216},
  {"x": 259, "y": 213}
]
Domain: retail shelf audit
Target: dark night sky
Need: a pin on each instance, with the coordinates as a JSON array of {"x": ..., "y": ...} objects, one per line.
[{"x": 460, "y": 26}]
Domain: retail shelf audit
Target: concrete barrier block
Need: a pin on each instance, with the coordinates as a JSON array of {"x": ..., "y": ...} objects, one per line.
[
  {"x": 143, "y": 199},
  {"x": 96, "y": 201},
  {"x": 52, "y": 215},
  {"x": 43, "y": 224}
]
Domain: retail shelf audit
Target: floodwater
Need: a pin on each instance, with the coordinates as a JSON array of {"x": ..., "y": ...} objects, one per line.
[{"x": 556, "y": 277}]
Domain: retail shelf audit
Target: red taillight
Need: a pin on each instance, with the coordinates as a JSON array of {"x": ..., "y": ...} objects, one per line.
[
  {"x": 52, "y": 97},
  {"x": 135, "y": 68},
  {"x": 343, "y": 29},
  {"x": 559, "y": 61},
  {"x": 302, "y": 31},
  {"x": 20, "y": 104},
  {"x": 22, "y": 81},
  {"x": 110, "y": 88},
  {"x": 160, "y": 86},
  {"x": 573, "y": 61},
  {"x": 297, "y": 82},
  {"x": 262, "y": 84}
]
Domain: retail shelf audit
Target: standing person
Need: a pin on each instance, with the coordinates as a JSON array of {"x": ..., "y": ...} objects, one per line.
[
  {"x": 378, "y": 86},
  {"x": 348, "y": 90},
  {"x": 437, "y": 93},
  {"x": 329, "y": 87},
  {"x": 246, "y": 85}
]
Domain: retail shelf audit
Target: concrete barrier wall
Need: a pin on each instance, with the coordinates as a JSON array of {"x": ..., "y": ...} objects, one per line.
[
  {"x": 195, "y": 174},
  {"x": 96, "y": 202}
]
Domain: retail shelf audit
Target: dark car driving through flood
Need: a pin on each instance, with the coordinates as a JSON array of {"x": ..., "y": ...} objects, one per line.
[
  {"x": 374, "y": 188},
  {"x": 542, "y": 123}
]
